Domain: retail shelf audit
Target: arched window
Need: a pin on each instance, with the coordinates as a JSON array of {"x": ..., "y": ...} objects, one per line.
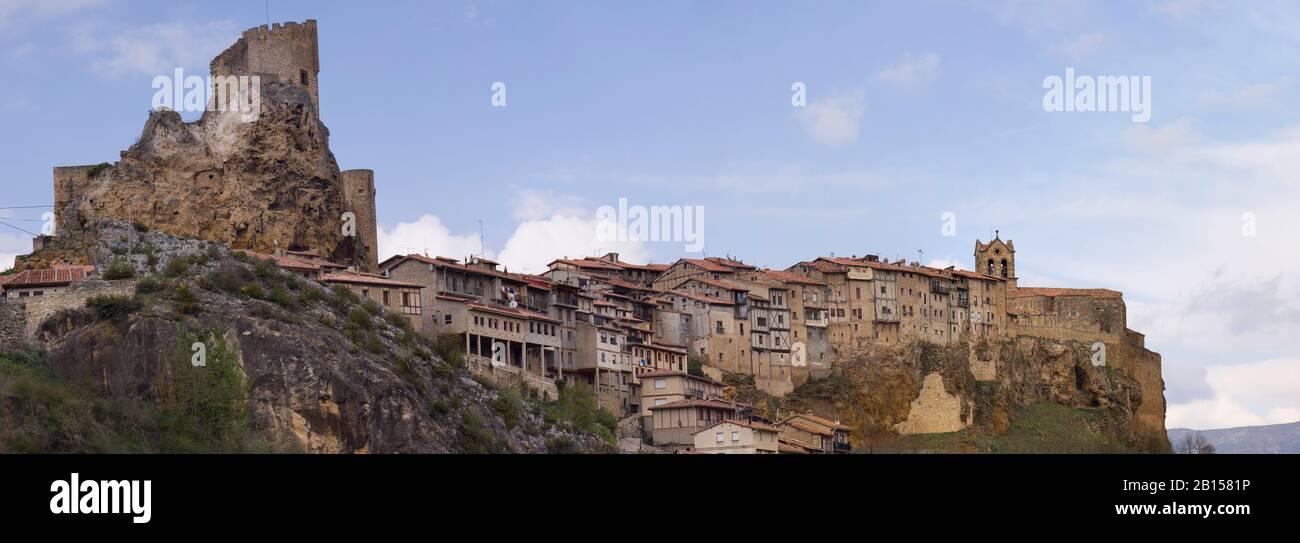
[
  {"x": 1004, "y": 267},
  {"x": 990, "y": 266}
]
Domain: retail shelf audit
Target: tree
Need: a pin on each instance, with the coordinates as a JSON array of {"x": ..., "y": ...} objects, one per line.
[{"x": 1194, "y": 443}]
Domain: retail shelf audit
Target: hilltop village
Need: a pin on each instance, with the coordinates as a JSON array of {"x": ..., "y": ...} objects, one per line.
[{"x": 660, "y": 344}]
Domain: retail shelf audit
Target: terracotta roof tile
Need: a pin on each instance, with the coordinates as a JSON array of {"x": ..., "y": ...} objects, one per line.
[{"x": 50, "y": 277}]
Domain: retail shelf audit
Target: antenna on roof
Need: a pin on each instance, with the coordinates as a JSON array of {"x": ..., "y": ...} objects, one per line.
[
  {"x": 920, "y": 256},
  {"x": 481, "y": 243}
]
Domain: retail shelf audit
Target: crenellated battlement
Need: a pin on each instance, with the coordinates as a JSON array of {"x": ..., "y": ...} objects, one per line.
[{"x": 284, "y": 52}]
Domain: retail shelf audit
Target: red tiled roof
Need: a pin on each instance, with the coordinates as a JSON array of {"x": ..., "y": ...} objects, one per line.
[
  {"x": 819, "y": 420},
  {"x": 730, "y": 263},
  {"x": 1099, "y": 293},
  {"x": 366, "y": 279},
  {"x": 671, "y": 373},
  {"x": 52, "y": 277},
  {"x": 789, "y": 277},
  {"x": 707, "y": 265},
  {"x": 741, "y": 423},
  {"x": 514, "y": 312},
  {"x": 790, "y": 448},
  {"x": 448, "y": 263},
  {"x": 696, "y": 403},
  {"x": 587, "y": 263}
]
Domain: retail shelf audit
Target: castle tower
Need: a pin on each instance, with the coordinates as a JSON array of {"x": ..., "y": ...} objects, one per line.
[
  {"x": 288, "y": 53},
  {"x": 996, "y": 258},
  {"x": 359, "y": 199}
]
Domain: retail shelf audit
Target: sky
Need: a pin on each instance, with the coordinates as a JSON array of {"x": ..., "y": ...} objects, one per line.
[{"x": 922, "y": 128}]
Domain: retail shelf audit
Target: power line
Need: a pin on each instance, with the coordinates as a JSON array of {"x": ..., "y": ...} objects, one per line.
[
  {"x": 19, "y": 229},
  {"x": 27, "y": 207}
]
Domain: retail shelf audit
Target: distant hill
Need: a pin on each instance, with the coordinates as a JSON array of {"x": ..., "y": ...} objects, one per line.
[{"x": 1273, "y": 439}]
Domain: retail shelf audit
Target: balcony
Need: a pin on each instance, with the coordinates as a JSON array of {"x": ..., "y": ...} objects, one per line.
[
  {"x": 843, "y": 447},
  {"x": 937, "y": 288}
]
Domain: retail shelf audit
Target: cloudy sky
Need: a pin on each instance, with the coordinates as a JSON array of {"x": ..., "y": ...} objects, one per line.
[{"x": 913, "y": 110}]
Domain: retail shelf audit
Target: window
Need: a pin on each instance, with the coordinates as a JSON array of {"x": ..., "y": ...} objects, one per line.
[
  {"x": 719, "y": 437},
  {"x": 446, "y": 319},
  {"x": 386, "y": 298},
  {"x": 735, "y": 436},
  {"x": 882, "y": 289},
  {"x": 660, "y": 401},
  {"x": 661, "y": 384}
]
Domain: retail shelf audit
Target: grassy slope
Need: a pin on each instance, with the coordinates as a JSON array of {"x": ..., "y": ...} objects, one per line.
[{"x": 1038, "y": 428}]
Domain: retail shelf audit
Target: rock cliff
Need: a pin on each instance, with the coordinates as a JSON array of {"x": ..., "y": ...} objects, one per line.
[
  {"x": 896, "y": 398},
  {"x": 288, "y": 365}
]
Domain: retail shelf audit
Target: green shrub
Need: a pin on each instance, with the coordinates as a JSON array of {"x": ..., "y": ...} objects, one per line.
[
  {"x": 509, "y": 403},
  {"x": 280, "y": 296},
  {"x": 97, "y": 169},
  {"x": 188, "y": 302},
  {"x": 119, "y": 270},
  {"x": 113, "y": 308},
  {"x": 177, "y": 267},
  {"x": 361, "y": 319},
  {"x": 374, "y": 309},
  {"x": 252, "y": 290},
  {"x": 140, "y": 227},
  {"x": 228, "y": 278},
  {"x": 148, "y": 285}
]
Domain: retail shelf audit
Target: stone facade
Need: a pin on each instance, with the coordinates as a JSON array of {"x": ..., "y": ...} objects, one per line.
[{"x": 13, "y": 325}]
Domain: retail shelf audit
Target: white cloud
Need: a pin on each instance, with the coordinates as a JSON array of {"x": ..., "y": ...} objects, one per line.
[
  {"x": 1082, "y": 45},
  {"x": 12, "y": 245},
  {"x": 536, "y": 243},
  {"x": 945, "y": 262},
  {"x": 531, "y": 204},
  {"x": 153, "y": 49},
  {"x": 1253, "y": 394},
  {"x": 427, "y": 236},
  {"x": 911, "y": 71},
  {"x": 1179, "y": 9},
  {"x": 1249, "y": 96},
  {"x": 834, "y": 120},
  {"x": 12, "y": 11},
  {"x": 1168, "y": 137}
]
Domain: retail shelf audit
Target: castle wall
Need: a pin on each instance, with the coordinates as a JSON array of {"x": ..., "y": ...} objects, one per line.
[
  {"x": 359, "y": 198},
  {"x": 286, "y": 52},
  {"x": 13, "y": 325},
  {"x": 70, "y": 184},
  {"x": 1063, "y": 315}
]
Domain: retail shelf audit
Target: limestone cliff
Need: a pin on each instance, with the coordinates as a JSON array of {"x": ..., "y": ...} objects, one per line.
[
  {"x": 289, "y": 366},
  {"x": 974, "y": 393}
]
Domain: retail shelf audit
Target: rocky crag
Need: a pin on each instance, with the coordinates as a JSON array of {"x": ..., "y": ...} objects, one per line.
[
  {"x": 921, "y": 397},
  {"x": 289, "y": 366},
  {"x": 262, "y": 182}
]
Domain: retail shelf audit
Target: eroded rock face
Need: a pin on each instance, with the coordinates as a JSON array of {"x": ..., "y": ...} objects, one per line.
[
  {"x": 261, "y": 185},
  {"x": 923, "y": 388},
  {"x": 300, "y": 378}
]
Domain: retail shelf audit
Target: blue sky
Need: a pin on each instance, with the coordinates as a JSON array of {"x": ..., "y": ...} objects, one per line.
[{"x": 914, "y": 109}]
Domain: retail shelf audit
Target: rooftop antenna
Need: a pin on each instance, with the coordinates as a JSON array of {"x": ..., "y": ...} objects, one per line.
[
  {"x": 920, "y": 256},
  {"x": 481, "y": 243}
]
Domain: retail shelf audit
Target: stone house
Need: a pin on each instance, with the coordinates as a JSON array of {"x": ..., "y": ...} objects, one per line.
[
  {"x": 738, "y": 437},
  {"x": 815, "y": 434},
  {"x": 31, "y": 283},
  {"x": 399, "y": 297},
  {"x": 675, "y": 424}
]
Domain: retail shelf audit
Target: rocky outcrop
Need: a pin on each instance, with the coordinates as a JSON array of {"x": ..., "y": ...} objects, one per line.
[
  {"x": 921, "y": 388},
  {"x": 258, "y": 185},
  {"x": 289, "y": 362}
]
